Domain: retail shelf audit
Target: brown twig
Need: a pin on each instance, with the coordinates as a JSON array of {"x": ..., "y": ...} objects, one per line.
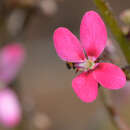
[{"x": 116, "y": 120}]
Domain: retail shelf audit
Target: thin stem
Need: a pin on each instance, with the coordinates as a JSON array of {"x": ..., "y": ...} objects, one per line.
[
  {"x": 111, "y": 21},
  {"x": 113, "y": 114}
]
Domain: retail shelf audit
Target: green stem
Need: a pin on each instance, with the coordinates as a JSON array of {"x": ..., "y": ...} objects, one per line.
[{"x": 111, "y": 21}]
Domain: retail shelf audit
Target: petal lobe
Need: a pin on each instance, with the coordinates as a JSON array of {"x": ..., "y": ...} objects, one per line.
[
  {"x": 67, "y": 45},
  {"x": 109, "y": 76},
  {"x": 86, "y": 87},
  {"x": 93, "y": 34}
]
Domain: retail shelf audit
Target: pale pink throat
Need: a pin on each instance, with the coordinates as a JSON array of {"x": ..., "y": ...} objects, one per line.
[{"x": 88, "y": 64}]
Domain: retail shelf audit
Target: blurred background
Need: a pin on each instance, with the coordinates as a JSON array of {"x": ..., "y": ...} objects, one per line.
[{"x": 45, "y": 83}]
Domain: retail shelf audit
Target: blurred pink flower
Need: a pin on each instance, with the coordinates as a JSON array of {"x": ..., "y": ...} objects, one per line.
[
  {"x": 11, "y": 59},
  {"x": 10, "y": 111},
  {"x": 93, "y": 37}
]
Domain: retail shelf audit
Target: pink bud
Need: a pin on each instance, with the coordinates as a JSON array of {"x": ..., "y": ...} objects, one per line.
[
  {"x": 125, "y": 16},
  {"x": 11, "y": 60},
  {"x": 10, "y": 111}
]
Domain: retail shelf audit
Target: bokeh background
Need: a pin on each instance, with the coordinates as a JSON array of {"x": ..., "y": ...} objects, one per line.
[{"x": 44, "y": 82}]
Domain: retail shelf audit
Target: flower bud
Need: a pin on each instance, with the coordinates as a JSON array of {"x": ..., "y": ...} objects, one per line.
[
  {"x": 11, "y": 60},
  {"x": 125, "y": 16},
  {"x": 10, "y": 111},
  {"x": 48, "y": 7}
]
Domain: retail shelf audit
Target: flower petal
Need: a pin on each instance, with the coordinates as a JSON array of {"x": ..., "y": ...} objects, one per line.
[
  {"x": 67, "y": 45},
  {"x": 10, "y": 111},
  {"x": 11, "y": 60},
  {"x": 86, "y": 87},
  {"x": 93, "y": 34},
  {"x": 109, "y": 76}
]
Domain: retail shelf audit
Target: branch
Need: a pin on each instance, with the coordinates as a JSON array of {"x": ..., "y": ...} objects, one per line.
[
  {"x": 111, "y": 21},
  {"x": 113, "y": 114}
]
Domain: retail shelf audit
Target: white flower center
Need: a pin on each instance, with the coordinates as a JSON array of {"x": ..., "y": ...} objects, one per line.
[{"x": 87, "y": 65}]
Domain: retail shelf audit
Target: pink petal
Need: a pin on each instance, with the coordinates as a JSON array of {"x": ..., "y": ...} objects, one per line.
[
  {"x": 109, "y": 76},
  {"x": 10, "y": 111},
  {"x": 86, "y": 87},
  {"x": 11, "y": 60},
  {"x": 67, "y": 45},
  {"x": 93, "y": 34}
]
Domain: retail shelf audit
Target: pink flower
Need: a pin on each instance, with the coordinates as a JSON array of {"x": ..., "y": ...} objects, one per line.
[
  {"x": 10, "y": 111},
  {"x": 83, "y": 54},
  {"x": 11, "y": 59}
]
